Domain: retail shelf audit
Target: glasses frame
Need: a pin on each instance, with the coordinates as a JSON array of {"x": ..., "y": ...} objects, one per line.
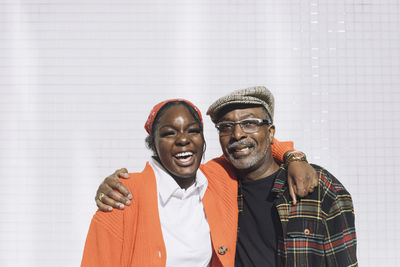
[{"x": 260, "y": 122}]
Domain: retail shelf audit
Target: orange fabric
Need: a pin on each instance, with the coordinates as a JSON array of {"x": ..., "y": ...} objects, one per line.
[
  {"x": 153, "y": 113},
  {"x": 113, "y": 239},
  {"x": 279, "y": 149},
  {"x": 223, "y": 187},
  {"x": 133, "y": 237}
]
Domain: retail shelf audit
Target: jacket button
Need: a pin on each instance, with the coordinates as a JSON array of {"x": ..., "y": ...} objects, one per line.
[
  {"x": 222, "y": 250},
  {"x": 307, "y": 232}
]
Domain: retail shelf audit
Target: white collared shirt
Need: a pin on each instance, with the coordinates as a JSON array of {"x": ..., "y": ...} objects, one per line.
[{"x": 184, "y": 225}]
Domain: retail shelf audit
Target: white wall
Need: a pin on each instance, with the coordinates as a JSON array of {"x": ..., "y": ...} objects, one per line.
[{"x": 77, "y": 79}]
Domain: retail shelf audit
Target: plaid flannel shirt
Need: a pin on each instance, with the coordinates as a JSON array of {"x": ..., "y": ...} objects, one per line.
[{"x": 319, "y": 230}]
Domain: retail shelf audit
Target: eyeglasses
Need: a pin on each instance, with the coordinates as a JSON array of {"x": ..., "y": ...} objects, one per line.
[{"x": 248, "y": 126}]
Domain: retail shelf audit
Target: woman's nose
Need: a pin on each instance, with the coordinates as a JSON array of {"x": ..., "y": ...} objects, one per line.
[{"x": 182, "y": 139}]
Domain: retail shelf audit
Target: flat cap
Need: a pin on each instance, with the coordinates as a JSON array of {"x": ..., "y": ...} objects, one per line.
[{"x": 258, "y": 95}]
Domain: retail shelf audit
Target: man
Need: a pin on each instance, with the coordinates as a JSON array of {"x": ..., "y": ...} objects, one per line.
[
  {"x": 267, "y": 229},
  {"x": 318, "y": 231}
]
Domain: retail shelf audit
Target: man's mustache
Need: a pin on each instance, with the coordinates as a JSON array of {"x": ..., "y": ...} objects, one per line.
[{"x": 241, "y": 143}]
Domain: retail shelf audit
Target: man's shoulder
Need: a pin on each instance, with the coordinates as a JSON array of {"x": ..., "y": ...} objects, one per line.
[{"x": 332, "y": 188}]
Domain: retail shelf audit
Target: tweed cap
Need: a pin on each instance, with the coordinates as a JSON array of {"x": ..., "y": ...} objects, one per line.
[{"x": 258, "y": 95}]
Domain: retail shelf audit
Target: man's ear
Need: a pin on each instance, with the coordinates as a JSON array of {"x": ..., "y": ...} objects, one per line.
[{"x": 271, "y": 133}]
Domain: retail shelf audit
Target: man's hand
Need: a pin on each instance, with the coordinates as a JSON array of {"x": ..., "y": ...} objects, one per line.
[
  {"x": 112, "y": 193},
  {"x": 302, "y": 179}
]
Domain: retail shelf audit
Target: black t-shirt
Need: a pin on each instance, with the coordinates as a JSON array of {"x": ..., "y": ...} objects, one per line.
[{"x": 259, "y": 225}]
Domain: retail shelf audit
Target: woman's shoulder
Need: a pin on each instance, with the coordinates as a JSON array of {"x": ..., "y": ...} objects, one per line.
[
  {"x": 220, "y": 174},
  {"x": 218, "y": 166},
  {"x": 141, "y": 180}
]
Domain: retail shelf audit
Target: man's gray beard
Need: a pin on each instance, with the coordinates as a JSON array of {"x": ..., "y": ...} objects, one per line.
[{"x": 248, "y": 164}]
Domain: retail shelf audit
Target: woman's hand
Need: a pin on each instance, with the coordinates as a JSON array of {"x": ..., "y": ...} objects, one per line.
[
  {"x": 112, "y": 193},
  {"x": 302, "y": 179}
]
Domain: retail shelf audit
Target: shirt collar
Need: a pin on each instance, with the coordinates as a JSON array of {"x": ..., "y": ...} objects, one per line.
[
  {"x": 167, "y": 187},
  {"x": 280, "y": 183}
]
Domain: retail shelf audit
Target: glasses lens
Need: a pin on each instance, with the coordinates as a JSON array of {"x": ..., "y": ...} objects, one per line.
[
  {"x": 225, "y": 127},
  {"x": 250, "y": 126}
]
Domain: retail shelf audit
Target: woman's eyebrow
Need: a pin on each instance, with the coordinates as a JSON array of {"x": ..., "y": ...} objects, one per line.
[{"x": 172, "y": 126}]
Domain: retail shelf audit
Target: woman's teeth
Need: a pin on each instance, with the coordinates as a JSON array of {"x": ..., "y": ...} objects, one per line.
[{"x": 184, "y": 155}]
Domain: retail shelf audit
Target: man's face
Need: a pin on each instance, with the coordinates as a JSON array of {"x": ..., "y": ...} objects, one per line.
[{"x": 246, "y": 152}]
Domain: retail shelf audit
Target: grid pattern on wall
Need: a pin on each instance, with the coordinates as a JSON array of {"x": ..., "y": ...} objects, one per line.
[{"x": 77, "y": 79}]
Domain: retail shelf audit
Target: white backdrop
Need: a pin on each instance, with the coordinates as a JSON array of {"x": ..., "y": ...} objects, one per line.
[{"x": 78, "y": 78}]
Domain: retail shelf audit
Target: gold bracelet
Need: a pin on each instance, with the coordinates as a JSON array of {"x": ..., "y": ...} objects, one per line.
[{"x": 294, "y": 156}]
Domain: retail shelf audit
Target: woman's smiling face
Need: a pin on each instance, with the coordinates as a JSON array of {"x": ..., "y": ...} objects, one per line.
[{"x": 179, "y": 142}]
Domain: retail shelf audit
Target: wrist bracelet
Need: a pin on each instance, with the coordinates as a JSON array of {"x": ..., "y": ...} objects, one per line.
[{"x": 294, "y": 156}]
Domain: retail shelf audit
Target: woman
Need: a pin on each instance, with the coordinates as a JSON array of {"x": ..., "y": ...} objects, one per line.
[{"x": 167, "y": 216}]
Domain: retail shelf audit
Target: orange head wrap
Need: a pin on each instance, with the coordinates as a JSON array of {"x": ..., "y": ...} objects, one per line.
[{"x": 153, "y": 113}]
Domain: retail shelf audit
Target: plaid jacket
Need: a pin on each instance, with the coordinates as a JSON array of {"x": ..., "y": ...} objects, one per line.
[{"x": 319, "y": 230}]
